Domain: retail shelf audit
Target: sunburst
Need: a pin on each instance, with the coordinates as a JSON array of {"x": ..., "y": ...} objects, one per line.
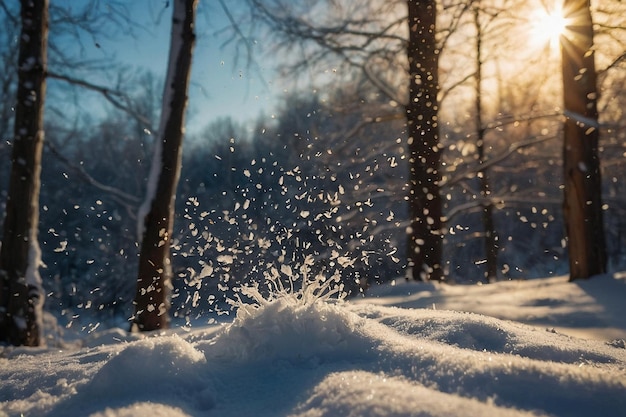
[{"x": 547, "y": 27}]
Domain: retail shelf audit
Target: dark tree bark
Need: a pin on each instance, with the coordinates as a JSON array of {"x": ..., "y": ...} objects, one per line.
[
  {"x": 490, "y": 242},
  {"x": 425, "y": 232},
  {"x": 582, "y": 203},
  {"x": 155, "y": 271},
  {"x": 21, "y": 295}
]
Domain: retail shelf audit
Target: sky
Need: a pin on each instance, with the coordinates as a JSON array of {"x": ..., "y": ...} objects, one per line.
[
  {"x": 398, "y": 352},
  {"x": 223, "y": 83}
]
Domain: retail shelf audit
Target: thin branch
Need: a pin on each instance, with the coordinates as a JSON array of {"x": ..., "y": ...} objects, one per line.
[
  {"x": 9, "y": 14},
  {"x": 123, "y": 197},
  {"x": 444, "y": 93},
  {"x": 250, "y": 62},
  {"x": 373, "y": 120},
  {"x": 518, "y": 119},
  {"x": 381, "y": 85},
  {"x": 110, "y": 95},
  {"x": 613, "y": 64},
  {"x": 497, "y": 201},
  {"x": 496, "y": 160}
]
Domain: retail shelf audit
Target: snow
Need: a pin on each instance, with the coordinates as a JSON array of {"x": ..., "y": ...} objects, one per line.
[
  {"x": 34, "y": 283},
  {"x": 518, "y": 348}
]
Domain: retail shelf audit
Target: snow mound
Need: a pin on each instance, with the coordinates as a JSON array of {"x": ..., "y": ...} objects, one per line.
[
  {"x": 359, "y": 393},
  {"x": 169, "y": 358},
  {"x": 143, "y": 409},
  {"x": 164, "y": 367},
  {"x": 595, "y": 384},
  {"x": 289, "y": 329},
  {"x": 482, "y": 333}
]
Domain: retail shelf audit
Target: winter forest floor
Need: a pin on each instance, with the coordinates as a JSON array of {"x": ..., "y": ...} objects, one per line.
[{"x": 518, "y": 348}]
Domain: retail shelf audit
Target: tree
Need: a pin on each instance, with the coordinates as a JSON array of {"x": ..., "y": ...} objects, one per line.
[
  {"x": 582, "y": 202},
  {"x": 21, "y": 294},
  {"x": 157, "y": 212},
  {"x": 366, "y": 44},
  {"x": 491, "y": 237},
  {"x": 425, "y": 232}
]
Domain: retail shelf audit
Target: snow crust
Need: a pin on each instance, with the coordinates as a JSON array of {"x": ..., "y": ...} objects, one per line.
[
  {"x": 34, "y": 282},
  {"x": 287, "y": 357}
]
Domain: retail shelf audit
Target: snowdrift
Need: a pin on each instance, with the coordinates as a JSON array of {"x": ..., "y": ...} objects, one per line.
[{"x": 312, "y": 359}]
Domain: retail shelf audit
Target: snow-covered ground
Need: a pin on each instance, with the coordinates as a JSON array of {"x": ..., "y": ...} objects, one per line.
[{"x": 517, "y": 348}]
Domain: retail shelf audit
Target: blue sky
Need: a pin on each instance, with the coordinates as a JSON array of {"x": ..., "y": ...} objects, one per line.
[{"x": 222, "y": 85}]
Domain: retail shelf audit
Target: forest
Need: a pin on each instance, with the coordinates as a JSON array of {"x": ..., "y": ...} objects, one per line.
[{"x": 335, "y": 179}]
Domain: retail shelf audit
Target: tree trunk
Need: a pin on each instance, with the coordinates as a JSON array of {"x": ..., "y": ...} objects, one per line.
[
  {"x": 425, "y": 232},
  {"x": 157, "y": 213},
  {"x": 21, "y": 294},
  {"x": 582, "y": 203},
  {"x": 490, "y": 242}
]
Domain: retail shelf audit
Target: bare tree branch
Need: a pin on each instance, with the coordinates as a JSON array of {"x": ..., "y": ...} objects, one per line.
[
  {"x": 612, "y": 65},
  {"x": 13, "y": 18},
  {"x": 124, "y": 198},
  {"x": 497, "y": 159},
  {"x": 250, "y": 62},
  {"x": 500, "y": 201},
  {"x": 116, "y": 98}
]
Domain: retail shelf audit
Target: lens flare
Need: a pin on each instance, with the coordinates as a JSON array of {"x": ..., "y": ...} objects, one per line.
[{"x": 548, "y": 26}]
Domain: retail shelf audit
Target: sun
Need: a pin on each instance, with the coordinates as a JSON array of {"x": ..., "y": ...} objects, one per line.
[{"x": 547, "y": 27}]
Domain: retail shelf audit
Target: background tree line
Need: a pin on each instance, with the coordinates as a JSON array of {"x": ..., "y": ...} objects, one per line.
[{"x": 329, "y": 174}]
